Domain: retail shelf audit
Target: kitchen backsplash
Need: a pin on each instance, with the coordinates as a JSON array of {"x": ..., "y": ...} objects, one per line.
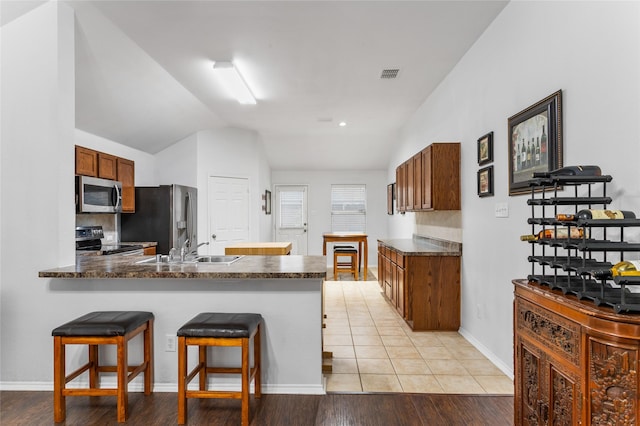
[
  {"x": 442, "y": 225},
  {"x": 110, "y": 225}
]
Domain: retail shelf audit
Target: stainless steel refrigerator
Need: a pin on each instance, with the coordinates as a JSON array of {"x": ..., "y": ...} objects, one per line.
[{"x": 166, "y": 214}]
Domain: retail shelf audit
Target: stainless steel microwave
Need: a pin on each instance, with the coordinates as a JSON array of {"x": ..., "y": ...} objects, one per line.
[{"x": 95, "y": 195}]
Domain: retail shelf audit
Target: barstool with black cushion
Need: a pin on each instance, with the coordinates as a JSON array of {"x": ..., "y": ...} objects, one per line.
[
  {"x": 102, "y": 328},
  {"x": 350, "y": 267},
  {"x": 350, "y": 247},
  {"x": 219, "y": 329}
]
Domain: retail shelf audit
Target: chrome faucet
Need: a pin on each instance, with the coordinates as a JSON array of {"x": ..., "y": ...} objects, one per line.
[
  {"x": 183, "y": 250},
  {"x": 195, "y": 250}
]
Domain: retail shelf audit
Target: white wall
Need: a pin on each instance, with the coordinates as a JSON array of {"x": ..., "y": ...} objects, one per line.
[
  {"x": 319, "y": 203},
  {"x": 226, "y": 152},
  {"x": 239, "y": 153},
  {"x": 590, "y": 50},
  {"x": 37, "y": 183},
  {"x": 178, "y": 164}
]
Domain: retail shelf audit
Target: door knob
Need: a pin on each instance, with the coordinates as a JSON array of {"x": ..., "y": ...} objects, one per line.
[{"x": 213, "y": 236}]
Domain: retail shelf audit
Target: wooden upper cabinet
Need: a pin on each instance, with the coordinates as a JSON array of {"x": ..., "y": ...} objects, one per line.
[
  {"x": 126, "y": 175},
  {"x": 441, "y": 177},
  {"x": 86, "y": 162},
  {"x": 430, "y": 180},
  {"x": 410, "y": 185},
  {"x": 417, "y": 181},
  {"x": 426, "y": 178},
  {"x": 107, "y": 166},
  {"x": 401, "y": 187}
]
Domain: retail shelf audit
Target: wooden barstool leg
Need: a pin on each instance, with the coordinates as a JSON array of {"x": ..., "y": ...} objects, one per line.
[
  {"x": 202, "y": 359},
  {"x": 94, "y": 364},
  {"x": 257, "y": 364},
  {"x": 182, "y": 375},
  {"x": 123, "y": 382},
  {"x": 59, "y": 402},
  {"x": 148, "y": 358},
  {"x": 245, "y": 381}
]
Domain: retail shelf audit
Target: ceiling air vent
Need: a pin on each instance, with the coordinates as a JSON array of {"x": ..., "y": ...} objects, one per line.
[{"x": 390, "y": 73}]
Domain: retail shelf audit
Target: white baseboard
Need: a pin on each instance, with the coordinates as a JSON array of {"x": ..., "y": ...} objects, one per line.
[{"x": 506, "y": 369}]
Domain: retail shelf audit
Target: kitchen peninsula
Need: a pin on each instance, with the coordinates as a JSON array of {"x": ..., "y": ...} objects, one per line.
[{"x": 286, "y": 290}]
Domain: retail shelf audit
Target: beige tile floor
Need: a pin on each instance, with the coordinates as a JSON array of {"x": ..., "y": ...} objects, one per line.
[{"x": 375, "y": 351}]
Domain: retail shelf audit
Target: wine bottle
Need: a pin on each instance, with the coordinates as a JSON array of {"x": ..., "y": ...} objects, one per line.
[
  {"x": 523, "y": 159},
  {"x": 597, "y": 214},
  {"x": 561, "y": 232},
  {"x": 620, "y": 269},
  {"x": 529, "y": 154},
  {"x": 537, "y": 159},
  {"x": 577, "y": 171},
  {"x": 626, "y": 268},
  {"x": 565, "y": 216},
  {"x": 605, "y": 214}
]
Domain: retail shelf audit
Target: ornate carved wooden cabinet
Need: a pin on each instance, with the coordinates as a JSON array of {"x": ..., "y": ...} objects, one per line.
[{"x": 575, "y": 363}]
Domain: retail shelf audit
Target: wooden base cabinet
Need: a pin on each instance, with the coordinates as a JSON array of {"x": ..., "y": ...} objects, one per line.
[
  {"x": 391, "y": 279},
  {"x": 425, "y": 290},
  {"x": 575, "y": 363}
]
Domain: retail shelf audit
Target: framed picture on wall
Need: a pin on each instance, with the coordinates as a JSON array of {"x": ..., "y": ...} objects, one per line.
[
  {"x": 390, "y": 197},
  {"x": 485, "y": 182},
  {"x": 485, "y": 149},
  {"x": 535, "y": 142}
]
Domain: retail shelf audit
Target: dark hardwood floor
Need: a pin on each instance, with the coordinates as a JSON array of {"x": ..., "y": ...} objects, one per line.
[{"x": 36, "y": 408}]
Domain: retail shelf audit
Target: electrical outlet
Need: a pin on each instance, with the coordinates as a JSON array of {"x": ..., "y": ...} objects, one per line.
[{"x": 170, "y": 343}]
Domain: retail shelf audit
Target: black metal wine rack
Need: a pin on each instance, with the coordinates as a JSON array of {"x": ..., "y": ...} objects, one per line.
[{"x": 571, "y": 265}]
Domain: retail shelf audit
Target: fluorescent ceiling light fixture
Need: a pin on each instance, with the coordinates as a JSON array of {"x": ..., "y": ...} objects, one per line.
[
  {"x": 228, "y": 74},
  {"x": 342, "y": 123}
]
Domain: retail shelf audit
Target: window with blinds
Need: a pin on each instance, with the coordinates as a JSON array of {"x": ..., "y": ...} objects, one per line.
[
  {"x": 348, "y": 208},
  {"x": 291, "y": 209}
]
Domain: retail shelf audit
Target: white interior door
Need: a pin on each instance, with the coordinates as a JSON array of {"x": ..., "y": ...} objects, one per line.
[
  {"x": 228, "y": 212},
  {"x": 291, "y": 216}
]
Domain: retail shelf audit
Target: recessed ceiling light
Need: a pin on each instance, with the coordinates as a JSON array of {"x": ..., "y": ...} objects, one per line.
[{"x": 342, "y": 123}]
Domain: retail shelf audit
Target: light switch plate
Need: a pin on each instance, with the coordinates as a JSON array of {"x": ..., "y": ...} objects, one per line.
[{"x": 502, "y": 210}]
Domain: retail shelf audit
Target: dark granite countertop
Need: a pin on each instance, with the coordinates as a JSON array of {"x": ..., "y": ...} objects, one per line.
[
  {"x": 144, "y": 244},
  {"x": 248, "y": 267},
  {"x": 421, "y": 246}
]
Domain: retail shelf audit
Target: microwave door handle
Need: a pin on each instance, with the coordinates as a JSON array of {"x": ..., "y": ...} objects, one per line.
[{"x": 118, "y": 199}]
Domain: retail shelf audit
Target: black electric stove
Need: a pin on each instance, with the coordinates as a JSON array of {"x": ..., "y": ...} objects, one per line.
[{"x": 88, "y": 239}]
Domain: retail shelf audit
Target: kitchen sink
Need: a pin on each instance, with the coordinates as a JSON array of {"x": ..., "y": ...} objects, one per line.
[
  {"x": 218, "y": 260},
  {"x": 227, "y": 260},
  {"x": 162, "y": 260}
]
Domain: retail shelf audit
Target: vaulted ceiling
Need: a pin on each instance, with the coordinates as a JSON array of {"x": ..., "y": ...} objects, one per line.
[{"x": 144, "y": 71}]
